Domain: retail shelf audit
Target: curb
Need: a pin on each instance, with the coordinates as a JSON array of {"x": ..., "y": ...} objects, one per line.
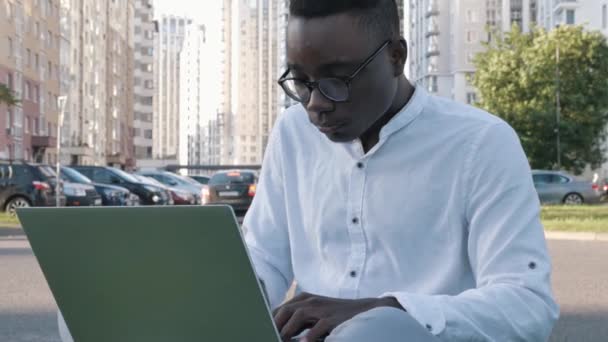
[
  {"x": 12, "y": 231},
  {"x": 583, "y": 236}
]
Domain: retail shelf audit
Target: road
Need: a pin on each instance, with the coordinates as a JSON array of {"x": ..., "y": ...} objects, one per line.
[{"x": 28, "y": 311}]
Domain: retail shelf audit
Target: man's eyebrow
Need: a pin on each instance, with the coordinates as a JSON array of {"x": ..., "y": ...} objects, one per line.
[{"x": 328, "y": 67}]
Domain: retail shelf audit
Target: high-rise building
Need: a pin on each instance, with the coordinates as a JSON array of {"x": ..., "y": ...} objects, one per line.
[
  {"x": 593, "y": 14},
  {"x": 167, "y": 46},
  {"x": 84, "y": 64},
  {"x": 445, "y": 36},
  {"x": 143, "y": 79},
  {"x": 30, "y": 66},
  {"x": 97, "y": 78},
  {"x": 200, "y": 92},
  {"x": 119, "y": 83},
  {"x": 254, "y": 49}
]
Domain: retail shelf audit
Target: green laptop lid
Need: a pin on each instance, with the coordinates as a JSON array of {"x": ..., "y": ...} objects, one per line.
[{"x": 149, "y": 273}]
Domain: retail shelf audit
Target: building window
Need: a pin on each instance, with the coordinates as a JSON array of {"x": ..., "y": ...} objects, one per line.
[
  {"x": 28, "y": 90},
  {"x": 471, "y": 36},
  {"x": 9, "y": 120},
  {"x": 570, "y": 17},
  {"x": 36, "y": 94},
  {"x": 29, "y": 58},
  {"x": 471, "y": 16},
  {"x": 604, "y": 16},
  {"x": 469, "y": 77},
  {"x": 10, "y": 47},
  {"x": 471, "y": 98},
  {"x": 470, "y": 58},
  {"x": 433, "y": 86}
]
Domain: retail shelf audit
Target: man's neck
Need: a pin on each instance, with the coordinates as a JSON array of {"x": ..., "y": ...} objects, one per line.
[{"x": 405, "y": 91}]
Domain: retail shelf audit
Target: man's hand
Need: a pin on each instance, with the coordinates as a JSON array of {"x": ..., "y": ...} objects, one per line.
[{"x": 322, "y": 314}]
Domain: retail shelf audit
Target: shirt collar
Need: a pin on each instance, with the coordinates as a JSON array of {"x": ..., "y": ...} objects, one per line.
[{"x": 407, "y": 114}]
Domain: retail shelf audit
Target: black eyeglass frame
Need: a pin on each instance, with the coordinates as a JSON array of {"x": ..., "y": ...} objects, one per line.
[{"x": 318, "y": 84}]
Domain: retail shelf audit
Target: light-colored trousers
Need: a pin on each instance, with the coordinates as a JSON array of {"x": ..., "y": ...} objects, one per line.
[{"x": 382, "y": 324}]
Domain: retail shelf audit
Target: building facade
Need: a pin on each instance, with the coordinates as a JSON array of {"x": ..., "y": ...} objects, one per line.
[
  {"x": 445, "y": 36},
  {"x": 143, "y": 80},
  {"x": 119, "y": 83},
  {"x": 201, "y": 89},
  {"x": 97, "y": 55},
  {"x": 167, "y": 47},
  {"x": 30, "y": 67}
]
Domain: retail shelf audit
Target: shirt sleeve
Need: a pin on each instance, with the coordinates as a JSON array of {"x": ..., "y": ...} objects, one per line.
[
  {"x": 507, "y": 251},
  {"x": 265, "y": 226}
]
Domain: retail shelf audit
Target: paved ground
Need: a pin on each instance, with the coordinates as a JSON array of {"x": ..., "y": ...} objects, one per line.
[{"x": 27, "y": 309}]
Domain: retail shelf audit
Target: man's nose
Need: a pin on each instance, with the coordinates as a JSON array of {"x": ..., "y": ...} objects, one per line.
[{"x": 318, "y": 103}]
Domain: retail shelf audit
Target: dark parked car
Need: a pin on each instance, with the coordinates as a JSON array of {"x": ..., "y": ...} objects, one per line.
[
  {"x": 201, "y": 179},
  {"x": 111, "y": 195},
  {"x": 24, "y": 184},
  {"x": 78, "y": 195},
  {"x": 556, "y": 187},
  {"x": 177, "y": 196},
  {"x": 234, "y": 188},
  {"x": 177, "y": 182},
  {"x": 81, "y": 195},
  {"x": 148, "y": 194}
]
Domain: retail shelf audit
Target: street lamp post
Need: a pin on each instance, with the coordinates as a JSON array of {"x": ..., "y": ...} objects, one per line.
[
  {"x": 558, "y": 107},
  {"x": 61, "y": 103}
]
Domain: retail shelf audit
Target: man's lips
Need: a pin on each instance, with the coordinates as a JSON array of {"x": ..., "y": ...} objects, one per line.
[{"x": 330, "y": 128}]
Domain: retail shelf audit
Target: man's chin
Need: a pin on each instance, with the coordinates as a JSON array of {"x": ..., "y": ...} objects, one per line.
[{"x": 336, "y": 137}]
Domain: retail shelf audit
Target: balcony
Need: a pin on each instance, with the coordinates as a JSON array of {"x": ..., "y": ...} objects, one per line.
[
  {"x": 432, "y": 9},
  {"x": 43, "y": 141},
  {"x": 432, "y": 29}
]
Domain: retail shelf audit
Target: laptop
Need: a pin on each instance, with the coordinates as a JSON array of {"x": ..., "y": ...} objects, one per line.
[{"x": 150, "y": 273}]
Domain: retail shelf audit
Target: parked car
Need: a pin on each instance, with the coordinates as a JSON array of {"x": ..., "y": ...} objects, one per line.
[
  {"x": 201, "y": 179},
  {"x": 177, "y": 182},
  {"x": 81, "y": 195},
  {"x": 25, "y": 184},
  {"x": 556, "y": 187},
  {"x": 235, "y": 188},
  {"x": 111, "y": 195},
  {"x": 168, "y": 190},
  {"x": 148, "y": 194},
  {"x": 602, "y": 187}
]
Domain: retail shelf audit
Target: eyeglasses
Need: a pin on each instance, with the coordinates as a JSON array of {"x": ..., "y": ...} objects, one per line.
[{"x": 336, "y": 89}]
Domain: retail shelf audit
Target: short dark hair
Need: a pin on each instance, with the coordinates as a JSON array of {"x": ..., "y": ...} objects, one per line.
[{"x": 380, "y": 16}]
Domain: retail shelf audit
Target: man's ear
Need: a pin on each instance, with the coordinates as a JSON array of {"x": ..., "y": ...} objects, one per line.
[{"x": 399, "y": 54}]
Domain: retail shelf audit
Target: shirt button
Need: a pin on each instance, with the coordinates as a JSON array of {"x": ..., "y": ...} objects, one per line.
[
  {"x": 360, "y": 165},
  {"x": 355, "y": 220},
  {"x": 429, "y": 327},
  {"x": 532, "y": 265},
  {"x": 353, "y": 274}
]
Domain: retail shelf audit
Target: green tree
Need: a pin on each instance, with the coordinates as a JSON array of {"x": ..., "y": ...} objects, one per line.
[
  {"x": 517, "y": 80},
  {"x": 6, "y": 96}
]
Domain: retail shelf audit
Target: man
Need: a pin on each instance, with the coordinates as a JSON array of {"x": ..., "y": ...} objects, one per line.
[{"x": 399, "y": 215}]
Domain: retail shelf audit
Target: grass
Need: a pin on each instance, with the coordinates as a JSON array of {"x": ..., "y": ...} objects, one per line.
[
  {"x": 8, "y": 220},
  {"x": 576, "y": 218},
  {"x": 555, "y": 218}
]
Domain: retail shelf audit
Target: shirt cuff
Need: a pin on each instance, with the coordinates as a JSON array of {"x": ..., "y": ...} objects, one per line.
[{"x": 425, "y": 309}]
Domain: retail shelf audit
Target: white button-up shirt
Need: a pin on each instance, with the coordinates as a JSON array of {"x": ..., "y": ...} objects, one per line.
[{"x": 441, "y": 214}]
